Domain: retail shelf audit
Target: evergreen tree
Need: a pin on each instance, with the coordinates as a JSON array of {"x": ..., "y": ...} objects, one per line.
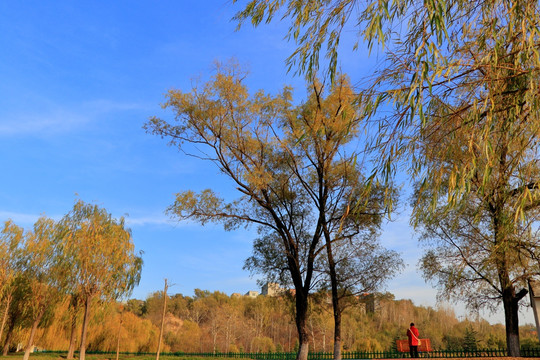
[
  {"x": 393, "y": 346},
  {"x": 469, "y": 341},
  {"x": 451, "y": 342}
]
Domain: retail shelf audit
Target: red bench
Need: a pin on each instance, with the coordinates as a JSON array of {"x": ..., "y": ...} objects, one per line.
[{"x": 403, "y": 345}]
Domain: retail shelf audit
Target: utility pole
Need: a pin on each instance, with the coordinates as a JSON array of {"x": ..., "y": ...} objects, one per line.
[{"x": 162, "y": 319}]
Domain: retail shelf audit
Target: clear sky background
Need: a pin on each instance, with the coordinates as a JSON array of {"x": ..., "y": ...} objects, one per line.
[{"x": 78, "y": 79}]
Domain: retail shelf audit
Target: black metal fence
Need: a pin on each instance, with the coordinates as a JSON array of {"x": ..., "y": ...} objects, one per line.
[
  {"x": 350, "y": 355},
  {"x": 346, "y": 355}
]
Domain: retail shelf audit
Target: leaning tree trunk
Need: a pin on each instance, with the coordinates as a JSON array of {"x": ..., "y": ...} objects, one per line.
[
  {"x": 9, "y": 334},
  {"x": 73, "y": 336},
  {"x": 9, "y": 298},
  {"x": 30, "y": 344},
  {"x": 82, "y": 349}
]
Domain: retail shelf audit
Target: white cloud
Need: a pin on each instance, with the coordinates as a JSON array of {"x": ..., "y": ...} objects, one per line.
[
  {"x": 22, "y": 219},
  {"x": 54, "y": 120},
  {"x": 107, "y": 106},
  {"x": 164, "y": 219},
  {"x": 149, "y": 220}
]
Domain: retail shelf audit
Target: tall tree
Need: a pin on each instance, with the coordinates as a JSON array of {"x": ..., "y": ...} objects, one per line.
[
  {"x": 102, "y": 255},
  {"x": 44, "y": 272},
  {"x": 11, "y": 238},
  {"x": 488, "y": 146},
  {"x": 349, "y": 211},
  {"x": 478, "y": 249},
  {"x": 289, "y": 165}
]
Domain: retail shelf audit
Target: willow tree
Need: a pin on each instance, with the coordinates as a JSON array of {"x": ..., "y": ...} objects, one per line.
[
  {"x": 483, "y": 244},
  {"x": 101, "y": 253},
  {"x": 479, "y": 146},
  {"x": 44, "y": 273},
  {"x": 296, "y": 169},
  {"x": 440, "y": 53},
  {"x": 11, "y": 238}
]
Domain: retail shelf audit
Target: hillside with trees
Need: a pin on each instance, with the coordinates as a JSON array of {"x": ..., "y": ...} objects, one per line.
[{"x": 216, "y": 322}]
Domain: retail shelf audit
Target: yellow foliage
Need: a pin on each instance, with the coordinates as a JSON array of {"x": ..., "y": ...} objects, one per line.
[
  {"x": 367, "y": 344},
  {"x": 263, "y": 344},
  {"x": 187, "y": 338},
  {"x": 236, "y": 322}
]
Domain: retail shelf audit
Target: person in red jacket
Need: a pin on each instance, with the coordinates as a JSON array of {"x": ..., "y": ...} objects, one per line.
[{"x": 412, "y": 334}]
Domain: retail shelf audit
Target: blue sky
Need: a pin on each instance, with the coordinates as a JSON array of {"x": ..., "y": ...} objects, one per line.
[{"x": 78, "y": 81}]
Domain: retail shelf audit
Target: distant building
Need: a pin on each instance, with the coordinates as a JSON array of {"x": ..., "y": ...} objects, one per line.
[
  {"x": 272, "y": 289},
  {"x": 236, "y": 295},
  {"x": 371, "y": 303},
  {"x": 252, "y": 294}
]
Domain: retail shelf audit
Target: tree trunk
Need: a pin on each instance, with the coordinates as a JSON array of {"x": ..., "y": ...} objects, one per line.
[
  {"x": 511, "y": 317},
  {"x": 312, "y": 334},
  {"x": 214, "y": 341},
  {"x": 335, "y": 307},
  {"x": 337, "y": 335},
  {"x": 5, "y": 350},
  {"x": 73, "y": 336},
  {"x": 509, "y": 297},
  {"x": 303, "y": 349},
  {"x": 335, "y": 297},
  {"x": 118, "y": 336},
  {"x": 9, "y": 297},
  {"x": 9, "y": 334},
  {"x": 82, "y": 349},
  {"x": 301, "y": 325},
  {"x": 30, "y": 345}
]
